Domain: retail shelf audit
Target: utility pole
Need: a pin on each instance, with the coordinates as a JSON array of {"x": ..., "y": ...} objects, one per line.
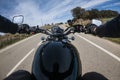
[{"x": 41, "y": 22}]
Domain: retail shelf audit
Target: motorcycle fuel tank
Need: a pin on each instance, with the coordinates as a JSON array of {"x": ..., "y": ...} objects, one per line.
[{"x": 56, "y": 61}]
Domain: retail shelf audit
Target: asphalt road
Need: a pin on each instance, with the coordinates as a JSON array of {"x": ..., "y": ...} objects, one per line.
[{"x": 100, "y": 58}]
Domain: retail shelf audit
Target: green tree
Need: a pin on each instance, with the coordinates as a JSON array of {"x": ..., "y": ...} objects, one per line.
[
  {"x": 94, "y": 13},
  {"x": 78, "y": 12}
]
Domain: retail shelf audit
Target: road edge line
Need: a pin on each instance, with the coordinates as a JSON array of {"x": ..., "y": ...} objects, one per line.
[
  {"x": 10, "y": 46},
  {"x": 106, "y": 51},
  {"x": 11, "y": 71}
]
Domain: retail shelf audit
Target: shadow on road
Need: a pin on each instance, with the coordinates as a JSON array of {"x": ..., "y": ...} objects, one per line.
[{"x": 93, "y": 76}]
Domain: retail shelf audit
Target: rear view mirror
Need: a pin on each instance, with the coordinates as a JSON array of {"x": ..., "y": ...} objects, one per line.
[
  {"x": 18, "y": 19},
  {"x": 96, "y": 22}
]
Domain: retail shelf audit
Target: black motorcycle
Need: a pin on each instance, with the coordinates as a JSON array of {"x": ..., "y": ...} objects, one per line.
[{"x": 56, "y": 58}]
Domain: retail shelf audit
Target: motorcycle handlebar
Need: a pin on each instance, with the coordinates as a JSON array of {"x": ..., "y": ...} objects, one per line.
[
  {"x": 67, "y": 31},
  {"x": 45, "y": 32}
]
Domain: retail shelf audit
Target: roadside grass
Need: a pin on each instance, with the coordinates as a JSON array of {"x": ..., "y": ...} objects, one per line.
[
  {"x": 104, "y": 20},
  {"x": 46, "y": 27},
  {"x": 116, "y": 40},
  {"x": 9, "y": 39}
]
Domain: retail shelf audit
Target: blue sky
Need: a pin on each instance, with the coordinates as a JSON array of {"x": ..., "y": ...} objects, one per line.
[{"x": 37, "y": 12}]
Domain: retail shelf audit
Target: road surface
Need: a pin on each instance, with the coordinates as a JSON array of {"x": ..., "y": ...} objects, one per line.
[{"x": 98, "y": 56}]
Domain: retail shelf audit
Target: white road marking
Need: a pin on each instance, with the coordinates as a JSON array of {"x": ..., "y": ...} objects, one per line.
[
  {"x": 106, "y": 51},
  {"x": 20, "y": 62},
  {"x": 2, "y": 50},
  {"x": 39, "y": 43}
]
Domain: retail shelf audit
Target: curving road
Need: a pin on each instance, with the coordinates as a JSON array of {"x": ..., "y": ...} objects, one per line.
[{"x": 100, "y": 58}]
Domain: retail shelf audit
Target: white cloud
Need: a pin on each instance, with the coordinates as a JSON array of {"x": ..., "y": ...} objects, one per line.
[
  {"x": 93, "y": 3},
  {"x": 33, "y": 12},
  {"x": 111, "y": 5}
]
